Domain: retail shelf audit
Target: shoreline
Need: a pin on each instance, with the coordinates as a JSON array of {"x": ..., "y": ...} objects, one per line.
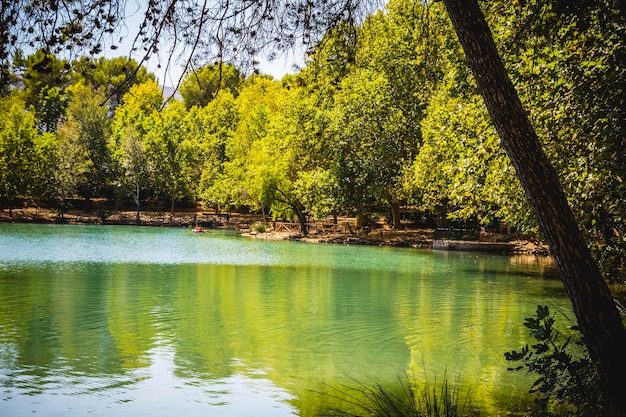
[
  {"x": 411, "y": 238},
  {"x": 243, "y": 223}
]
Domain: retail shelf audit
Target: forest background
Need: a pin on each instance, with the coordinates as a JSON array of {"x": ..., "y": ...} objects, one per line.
[{"x": 383, "y": 117}]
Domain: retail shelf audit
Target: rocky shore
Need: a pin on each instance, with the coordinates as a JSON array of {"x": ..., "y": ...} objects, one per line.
[{"x": 408, "y": 238}]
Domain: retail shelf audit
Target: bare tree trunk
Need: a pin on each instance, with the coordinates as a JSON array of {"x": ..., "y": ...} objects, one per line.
[
  {"x": 138, "y": 202},
  {"x": 594, "y": 307},
  {"x": 195, "y": 210},
  {"x": 263, "y": 211},
  {"x": 360, "y": 220},
  {"x": 395, "y": 215},
  {"x": 302, "y": 220}
]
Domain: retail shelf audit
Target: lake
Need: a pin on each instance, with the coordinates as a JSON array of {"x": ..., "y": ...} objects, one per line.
[{"x": 140, "y": 321}]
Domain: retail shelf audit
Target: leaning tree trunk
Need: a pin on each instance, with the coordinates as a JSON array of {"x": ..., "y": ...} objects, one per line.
[
  {"x": 301, "y": 218},
  {"x": 594, "y": 307}
]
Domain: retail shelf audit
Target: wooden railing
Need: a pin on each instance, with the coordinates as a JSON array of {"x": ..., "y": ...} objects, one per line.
[{"x": 293, "y": 227}]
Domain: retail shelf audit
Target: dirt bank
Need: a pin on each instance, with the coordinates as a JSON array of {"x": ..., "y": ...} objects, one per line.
[{"x": 245, "y": 223}]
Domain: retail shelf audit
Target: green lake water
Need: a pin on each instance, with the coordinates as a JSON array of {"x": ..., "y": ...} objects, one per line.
[{"x": 138, "y": 321}]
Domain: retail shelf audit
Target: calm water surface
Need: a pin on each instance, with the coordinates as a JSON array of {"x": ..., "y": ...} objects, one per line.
[{"x": 127, "y": 321}]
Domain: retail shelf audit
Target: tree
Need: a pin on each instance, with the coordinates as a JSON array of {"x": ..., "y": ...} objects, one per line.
[
  {"x": 272, "y": 165},
  {"x": 199, "y": 87},
  {"x": 133, "y": 160},
  {"x": 17, "y": 149},
  {"x": 460, "y": 171},
  {"x": 172, "y": 153},
  {"x": 372, "y": 149},
  {"x": 233, "y": 31},
  {"x": 594, "y": 307},
  {"x": 566, "y": 61},
  {"x": 403, "y": 45},
  {"x": 116, "y": 75},
  {"x": 258, "y": 154},
  {"x": 45, "y": 169},
  {"x": 55, "y": 26},
  {"x": 90, "y": 120},
  {"x": 44, "y": 78},
  {"x": 72, "y": 163},
  {"x": 214, "y": 126},
  {"x": 316, "y": 187},
  {"x": 130, "y": 125}
]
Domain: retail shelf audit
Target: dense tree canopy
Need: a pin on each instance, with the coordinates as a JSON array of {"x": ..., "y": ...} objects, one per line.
[
  {"x": 386, "y": 112},
  {"x": 397, "y": 83},
  {"x": 200, "y": 87}
]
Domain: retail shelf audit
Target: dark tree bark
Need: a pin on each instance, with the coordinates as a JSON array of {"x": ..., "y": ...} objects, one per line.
[
  {"x": 395, "y": 215},
  {"x": 594, "y": 307},
  {"x": 296, "y": 207},
  {"x": 138, "y": 203},
  {"x": 301, "y": 219}
]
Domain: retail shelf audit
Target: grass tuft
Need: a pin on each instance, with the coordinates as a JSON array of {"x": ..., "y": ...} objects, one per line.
[{"x": 436, "y": 400}]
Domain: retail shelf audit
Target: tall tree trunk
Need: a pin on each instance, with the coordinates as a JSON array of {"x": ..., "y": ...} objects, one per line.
[
  {"x": 360, "y": 220},
  {"x": 263, "y": 211},
  {"x": 195, "y": 210},
  {"x": 138, "y": 202},
  {"x": 594, "y": 307},
  {"x": 395, "y": 215}
]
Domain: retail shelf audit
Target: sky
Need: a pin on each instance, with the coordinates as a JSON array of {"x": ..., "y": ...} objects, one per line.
[{"x": 277, "y": 68}]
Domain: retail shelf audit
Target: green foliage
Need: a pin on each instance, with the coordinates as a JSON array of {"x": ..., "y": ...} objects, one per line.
[
  {"x": 72, "y": 164},
  {"x": 131, "y": 166},
  {"x": 317, "y": 190},
  {"x": 115, "y": 75},
  {"x": 39, "y": 71},
  {"x": 382, "y": 115},
  {"x": 44, "y": 78},
  {"x": 17, "y": 148},
  {"x": 133, "y": 161},
  {"x": 51, "y": 104},
  {"x": 460, "y": 164},
  {"x": 200, "y": 87},
  {"x": 45, "y": 170},
  {"x": 566, "y": 59},
  {"x": 334, "y": 57},
  {"x": 239, "y": 150},
  {"x": 272, "y": 166},
  {"x": 141, "y": 100},
  {"x": 88, "y": 123},
  {"x": 173, "y": 153},
  {"x": 566, "y": 378},
  {"x": 370, "y": 149},
  {"x": 214, "y": 126},
  {"x": 258, "y": 228}
]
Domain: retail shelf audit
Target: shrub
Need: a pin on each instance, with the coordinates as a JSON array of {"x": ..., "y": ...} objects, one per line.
[
  {"x": 567, "y": 383},
  {"x": 259, "y": 228}
]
